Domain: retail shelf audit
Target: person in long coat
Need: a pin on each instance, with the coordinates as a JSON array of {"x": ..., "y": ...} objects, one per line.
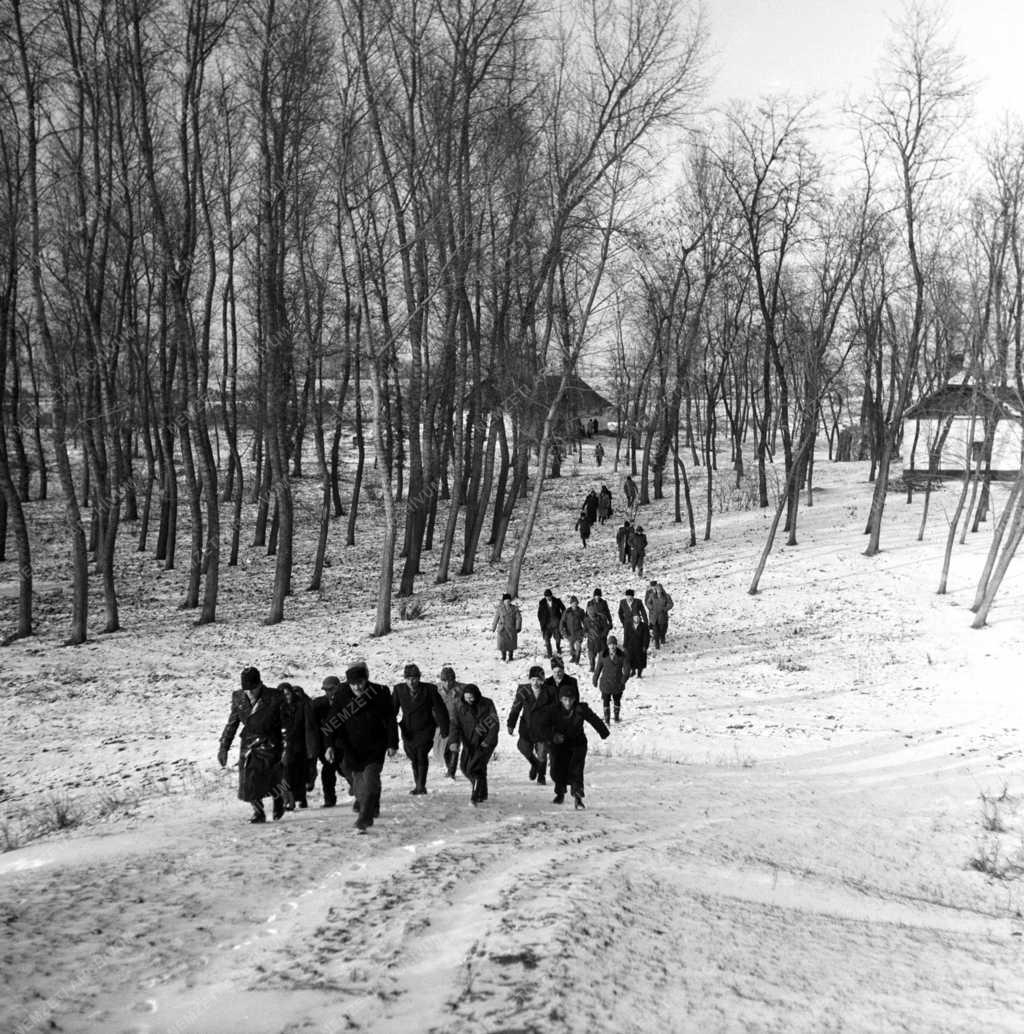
[
  {"x": 622, "y": 541},
  {"x": 636, "y": 632},
  {"x": 362, "y": 731},
  {"x": 447, "y": 747},
  {"x": 598, "y": 453},
  {"x": 659, "y": 603},
  {"x": 589, "y": 509},
  {"x": 583, "y": 526},
  {"x": 257, "y": 709},
  {"x": 637, "y": 549},
  {"x": 520, "y": 719},
  {"x": 298, "y": 761},
  {"x": 610, "y": 676},
  {"x": 604, "y": 504},
  {"x": 508, "y": 623},
  {"x": 476, "y": 726},
  {"x": 572, "y": 628},
  {"x": 598, "y": 624},
  {"x": 569, "y": 743},
  {"x": 546, "y": 707},
  {"x": 423, "y": 714},
  {"x": 549, "y": 617},
  {"x": 629, "y": 489}
]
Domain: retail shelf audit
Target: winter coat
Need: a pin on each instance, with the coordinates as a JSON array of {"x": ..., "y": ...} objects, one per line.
[
  {"x": 508, "y": 622},
  {"x": 629, "y": 487},
  {"x": 589, "y": 510},
  {"x": 521, "y": 712},
  {"x": 631, "y": 613},
  {"x": 423, "y": 713},
  {"x": 600, "y": 604},
  {"x": 450, "y": 698},
  {"x": 636, "y": 642},
  {"x": 567, "y": 727},
  {"x": 572, "y": 622},
  {"x": 611, "y": 671},
  {"x": 317, "y": 728},
  {"x": 361, "y": 727},
  {"x": 622, "y": 540},
  {"x": 547, "y": 703},
  {"x": 476, "y": 724},
  {"x": 659, "y": 603},
  {"x": 604, "y": 504},
  {"x": 261, "y": 743},
  {"x": 549, "y": 615},
  {"x": 637, "y": 543},
  {"x": 295, "y": 712}
]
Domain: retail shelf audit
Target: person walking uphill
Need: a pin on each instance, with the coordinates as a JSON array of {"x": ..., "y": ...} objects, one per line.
[
  {"x": 476, "y": 728},
  {"x": 573, "y": 628},
  {"x": 257, "y": 708},
  {"x": 569, "y": 743},
  {"x": 521, "y": 715},
  {"x": 659, "y": 603},
  {"x": 637, "y": 549},
  {"x": 549, "y": 617},
  {"x": 629, "y": 488},
  {"x": 604, "y": 504},
  {"x": 610, "y": 676},
  {"x": 362, "y": 730},
  {"x": 508, "y": 623},
  {"x": 299, "y": 759},
  {"x": 447, "y": 746},
  {"x": 622, "y": 541},
  {"x": 636, "y": 632},
  {"x": 423, "y": 713},
  {"x": 598, "y": 623},
  {"x": 318, "y": 741}
]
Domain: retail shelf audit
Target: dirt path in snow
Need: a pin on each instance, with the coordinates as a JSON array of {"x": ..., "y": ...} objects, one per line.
[{"x": 686, "y": 897}]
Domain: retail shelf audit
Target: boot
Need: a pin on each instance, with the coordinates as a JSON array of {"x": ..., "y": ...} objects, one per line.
[
  {"x": 607, "y": 712},
  {"x": 559, "y": 798},
  {"x": 578, "y": 798}
]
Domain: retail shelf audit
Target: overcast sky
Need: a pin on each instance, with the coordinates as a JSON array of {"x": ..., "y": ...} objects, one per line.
[{"x": 832, "y": 47}]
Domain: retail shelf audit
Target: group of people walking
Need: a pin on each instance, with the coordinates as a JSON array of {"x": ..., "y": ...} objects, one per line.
[{"x": 596, "y": 509}]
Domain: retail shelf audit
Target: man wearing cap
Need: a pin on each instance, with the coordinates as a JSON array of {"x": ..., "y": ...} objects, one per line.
[
  {"x": 547, "y": 706},
  {"x": 522, "y": 714},
  {"x": 423, "y": 713},
  {"x": 659, "y": 603},
  {"x": 572, "y": 628},
  {"x": 257, "y": 708},
  {"x": 637, "y": 549},
  {"x": 569, "y": 743},
  {"x": 610, "y": 674},
  {"x": 598, "y": 623},
  {"x": 508, "y": 623},
  {"x": 318, "y": 740},
  {"x": 447, "y": 747},
  {"x": 549, "y": 617},
  {"x": 476, "y": 729},
  {"x": 636, "y": 632},
  {"x": 362, "y": 731}
]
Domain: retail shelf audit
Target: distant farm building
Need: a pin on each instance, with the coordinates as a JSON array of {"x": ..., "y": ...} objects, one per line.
[{"x": 957, "y": 425}]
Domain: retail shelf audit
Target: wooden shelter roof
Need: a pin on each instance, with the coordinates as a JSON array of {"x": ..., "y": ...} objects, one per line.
[{"x": 967, "y": 400}]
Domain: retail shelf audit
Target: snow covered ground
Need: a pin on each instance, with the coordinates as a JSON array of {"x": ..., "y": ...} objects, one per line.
[{"x": 784, "y": 834}]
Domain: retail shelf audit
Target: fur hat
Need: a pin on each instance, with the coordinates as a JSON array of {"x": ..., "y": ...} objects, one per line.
[
  {"x": 629, "y": 592},
  {"x": 548, "y": 593},
  {"x": 447, "y": 673},
  {"x": 357, "y": 671},
  {"x": 597, "y": 593},
  {"x": 536, "y": 672},
  {"x": 567, "y": 689},
  {"x": 331, "y": 682},
  {"x": 411, "y": 671},
  {"x": 251, "y": 678}
]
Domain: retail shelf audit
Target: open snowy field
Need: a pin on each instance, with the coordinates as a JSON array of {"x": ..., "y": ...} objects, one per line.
[{"x": 786, "y": 833}]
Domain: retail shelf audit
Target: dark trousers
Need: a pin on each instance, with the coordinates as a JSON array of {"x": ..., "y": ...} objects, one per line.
[
  {"x": 595, "y": 647},
  {"x": 606, "y": 699},
  {"x": 529, "y": 751},
  {"x": 567, "y": 763},
  {"x": 451, "y": 758},
  {"x": 419, "y": 756},
  {"x": 659, "y": 626},
  {"x": 278, "y": 798},
  {"x": 295, "y": 775},
  {"x": 636, "y": 562},
  {"x": 366, "y": 783},
  {"x": 549, "y": 634},
  {"x": 575, "y": 648},
  {"x": 473, "y": 764},
  {"x": 329, "y": 779}
]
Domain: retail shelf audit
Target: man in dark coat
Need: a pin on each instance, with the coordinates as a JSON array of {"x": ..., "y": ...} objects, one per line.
[
  {"x": 598, "y": 453},
  {"x": 298, "y": 762},
  {"x": 318, "y": 740},
  {"x": 598, "y": 624},
  {"x": 476, "y": 726},
  {"x": 637, "y": 549},
  {"x": 629, "y": 488},
  {"x": 583, "y": 527},
  {"x": 659, "y": 603},
  {"x": 636, "y": 632},
  {"x": 257, "y": 708},
  {"x": 362, "y": 730},
  {"x": 589, "y": 509},
  {"x": 569, "y": 743},
  {"x": 610, "y": 674},
  {"x": 547, "y": 705},
  {"x": 423, "y": 713},
  {"x": 447, "y": 746},
  {"x": 549, "y": 617},
  {"x": 573, "y": 629},
  {"x": 604, "y": 504},
  {"x": 622, "y": 541},
  {"x": 520, "y": 719}
]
